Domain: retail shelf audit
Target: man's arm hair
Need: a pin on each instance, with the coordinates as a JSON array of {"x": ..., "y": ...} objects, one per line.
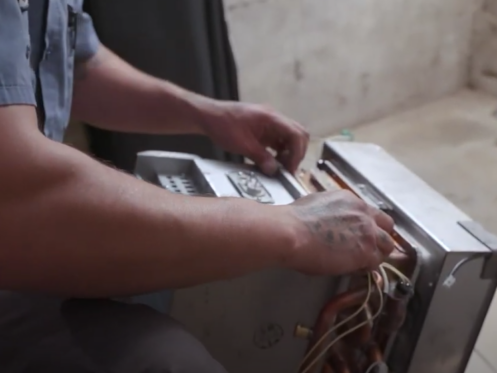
[
  {"x": 74, "y": 227},
  {"x": 111, "y": 94}
]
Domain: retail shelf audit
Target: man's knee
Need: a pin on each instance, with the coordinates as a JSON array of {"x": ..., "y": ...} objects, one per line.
[{"x": 135, "y": 339}]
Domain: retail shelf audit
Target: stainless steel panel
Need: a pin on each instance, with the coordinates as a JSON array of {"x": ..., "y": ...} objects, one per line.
[
  {"x": 248, "y": 323},
  {"x": 443, "y": 322},
  {"x": 432, "y": 213},
  {"x": 210, "y": 177}
]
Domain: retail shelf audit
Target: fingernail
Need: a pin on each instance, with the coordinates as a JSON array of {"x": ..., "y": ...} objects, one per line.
[{"x": 269, "y": 167}]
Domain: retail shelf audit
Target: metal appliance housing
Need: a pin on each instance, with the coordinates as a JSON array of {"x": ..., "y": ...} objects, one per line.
[{"x": 248, "y": 323}]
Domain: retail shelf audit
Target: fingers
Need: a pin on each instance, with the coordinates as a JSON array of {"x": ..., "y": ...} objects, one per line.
[
  {"x": 264, "y": 160},
  {"x": 376, "y": 259},
  {"x": 384, "y": 242},
  {"x": 294, "y": 151},
  {"x": 383, "y": 221},
  {"x": 290, "y": 140}
]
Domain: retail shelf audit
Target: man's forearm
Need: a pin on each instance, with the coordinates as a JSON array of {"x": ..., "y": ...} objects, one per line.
[
  {"x": 111, "y": 94},
  {"x": 74, "y": 227}
]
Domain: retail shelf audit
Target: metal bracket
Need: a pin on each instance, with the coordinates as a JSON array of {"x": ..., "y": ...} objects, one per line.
[
  {"x": 475, "y": 229},
  {"x": 361, "y": 190}
]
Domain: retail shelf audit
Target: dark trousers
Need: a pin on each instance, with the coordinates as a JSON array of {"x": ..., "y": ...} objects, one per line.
[{"x": 48, "y": 335}]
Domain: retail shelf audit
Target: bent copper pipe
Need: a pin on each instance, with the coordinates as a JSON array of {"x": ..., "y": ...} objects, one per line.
[
  {"x": 336, "y": 360},
  {"x": 327, "y": 369},
  {"x": 364, "y": 334},
  {"x": 329, "y": 313},
  {"x": 374, "y": 354}
]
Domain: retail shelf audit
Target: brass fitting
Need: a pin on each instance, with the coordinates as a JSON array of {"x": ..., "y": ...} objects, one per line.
[{"x": 302, "y": 332}]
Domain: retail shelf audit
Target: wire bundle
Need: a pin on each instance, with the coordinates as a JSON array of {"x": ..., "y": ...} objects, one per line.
[{"x": 384, "y": 267}]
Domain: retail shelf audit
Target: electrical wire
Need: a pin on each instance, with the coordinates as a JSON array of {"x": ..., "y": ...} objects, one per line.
[
  {"x": 451, "y": 278},
  {"x": 335, "y": 327},
  {"x": 386, "y": 281},
  {"x": 386, "y": 288},
  {"x": 379, "y": 364},
  {"x": 391, "y": 268},
  {"x": 344, "y": 334}
]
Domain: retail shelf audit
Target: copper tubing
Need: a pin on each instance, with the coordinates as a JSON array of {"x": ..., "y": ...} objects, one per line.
[
  {"x": 329, "y": 313},
  {"x": 394, "y": 316},
  {"x": 327, "y": 369},
  {"x": 337, "y": 362},
  {"x": 363, "y": 334},
  {"x": 374, "y": 354},
  {"x": 360, "y": 337}
]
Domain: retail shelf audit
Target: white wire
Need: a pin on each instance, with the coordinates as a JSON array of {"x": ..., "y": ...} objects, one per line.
[
  {"x": 380, "y": 364},
  {"x": 331, "y": 330},
  {"x": 391, "y": 268},
  {"x": 386, "y": 281},
  {"x": 306, "y": 370}
]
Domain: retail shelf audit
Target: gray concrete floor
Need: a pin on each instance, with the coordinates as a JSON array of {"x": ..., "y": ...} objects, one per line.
[{"x": 452, "y": 145}]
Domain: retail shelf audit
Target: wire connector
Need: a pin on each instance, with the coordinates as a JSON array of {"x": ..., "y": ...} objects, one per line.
[
  {"x": 451, "y": 278},
  {"x": 449, "y": 281}
]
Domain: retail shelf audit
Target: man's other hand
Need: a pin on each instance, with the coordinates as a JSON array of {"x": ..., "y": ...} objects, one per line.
[{"x": 250, "y": 130}]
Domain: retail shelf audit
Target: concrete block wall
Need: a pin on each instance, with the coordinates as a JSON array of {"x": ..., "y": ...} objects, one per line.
[
  {"x": 333, "y": 63},
  {"x": 484, "y": 50}
]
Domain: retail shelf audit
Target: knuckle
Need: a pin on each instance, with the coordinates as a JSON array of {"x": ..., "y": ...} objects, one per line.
[
  {"x": 360, "y": 204},
  {"x": 367, "y": 227},
  {"x": 375, "y": 261},
  {"x": 296, "y": 135},
  {"x": 389, "y": 220},
  {"x": 348, "y": 195},
  {"x": 306, "y": 134},
  {"x": 369, "y": 235}
]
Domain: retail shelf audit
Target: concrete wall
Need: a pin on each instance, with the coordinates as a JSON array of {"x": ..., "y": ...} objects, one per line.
[
  {"x": 338, "y": 63},
  {"x": 484, "y": 56}
]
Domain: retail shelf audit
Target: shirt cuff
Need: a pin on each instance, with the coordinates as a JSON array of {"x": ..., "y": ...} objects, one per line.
[
  {"x": 17, "y": 95},
  {"x": 87, "y": 42}
]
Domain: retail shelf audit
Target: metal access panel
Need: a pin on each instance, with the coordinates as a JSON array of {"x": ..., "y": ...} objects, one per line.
[
  {"x": 453, "y": 290},
  {"x": 248, "y": 323}
]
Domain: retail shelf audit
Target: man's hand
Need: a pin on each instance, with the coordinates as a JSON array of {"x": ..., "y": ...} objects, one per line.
[
  {"x": 338, "y": 233},
  {"x": 249, "y": 130},
  {"x": 111, "y": 94}
]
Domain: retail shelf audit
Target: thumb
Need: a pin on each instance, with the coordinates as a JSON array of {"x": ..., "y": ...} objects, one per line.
[{"x": 264, "y": 160}]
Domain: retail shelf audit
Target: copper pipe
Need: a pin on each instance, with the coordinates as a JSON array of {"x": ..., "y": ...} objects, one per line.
[
  {"x": 363, "y": 335},
  {"x": 341, "y": 302},
  {"x": 329, "y": 313},
  {"x": 327, "y": 369},
  {"x": 374, "y": 354},
  {"x": 359, "y": 338},
  {"x": 395, "y": 313},
  {"x": 337, "y": 362},
  {"x": 327, "y": 318}
]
